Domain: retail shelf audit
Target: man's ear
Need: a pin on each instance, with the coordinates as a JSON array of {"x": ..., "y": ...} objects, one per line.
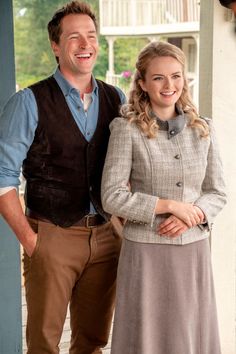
[{"x": 55, "y": 48}]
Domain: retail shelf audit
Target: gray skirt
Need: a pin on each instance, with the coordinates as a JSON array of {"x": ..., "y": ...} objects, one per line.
[{"x": 165, "y": 300}]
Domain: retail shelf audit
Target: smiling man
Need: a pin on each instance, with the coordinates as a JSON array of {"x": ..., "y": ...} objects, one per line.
[{"x": 57, "y": 130}]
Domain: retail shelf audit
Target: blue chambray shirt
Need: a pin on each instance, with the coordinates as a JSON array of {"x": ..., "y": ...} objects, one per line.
[{"x": 19, "y": 120}]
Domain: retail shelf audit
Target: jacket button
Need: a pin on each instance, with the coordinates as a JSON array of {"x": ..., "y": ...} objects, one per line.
[
  {"x": 177, "y": 156},
  {"x": 179, "y": 184}
]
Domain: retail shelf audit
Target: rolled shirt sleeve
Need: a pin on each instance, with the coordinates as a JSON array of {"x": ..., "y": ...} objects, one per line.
[{"x": 18, "y": 122}]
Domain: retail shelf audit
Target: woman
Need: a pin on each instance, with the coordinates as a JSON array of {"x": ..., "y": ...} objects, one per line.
[{"x": 163, "y": 174}]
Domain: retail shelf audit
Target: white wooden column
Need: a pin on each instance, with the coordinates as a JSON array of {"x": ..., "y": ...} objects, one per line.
[
  {"x": 217, "y": 99},
  {"x": 111, "y": 70},
  {"x": 196, "y": 87}
]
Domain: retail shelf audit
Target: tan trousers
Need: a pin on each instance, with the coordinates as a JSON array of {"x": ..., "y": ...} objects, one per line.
[{"x": 75, "y": 266}]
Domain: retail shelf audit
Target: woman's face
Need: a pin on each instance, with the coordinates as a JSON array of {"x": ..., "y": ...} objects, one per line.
[{"x": 164, "y": 84}]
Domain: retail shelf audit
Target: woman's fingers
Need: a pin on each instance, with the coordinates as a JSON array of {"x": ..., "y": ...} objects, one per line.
[{"x": 172, "y": 227}]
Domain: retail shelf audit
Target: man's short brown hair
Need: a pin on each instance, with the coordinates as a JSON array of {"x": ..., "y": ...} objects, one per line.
[{"x": 73, "y": 7}]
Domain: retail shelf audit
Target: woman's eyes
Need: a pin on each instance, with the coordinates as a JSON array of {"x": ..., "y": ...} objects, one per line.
[{"x": 160, "y": 78}]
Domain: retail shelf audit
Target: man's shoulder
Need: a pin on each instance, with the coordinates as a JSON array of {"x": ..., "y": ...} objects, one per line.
[
  {"x": 105, "y": 85},
  {"x": 112, "y": 90},
  {"x": 42, "y": 83}
]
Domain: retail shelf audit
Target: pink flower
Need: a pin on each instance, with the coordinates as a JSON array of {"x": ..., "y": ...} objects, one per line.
[{"x": 126, "y": 74}]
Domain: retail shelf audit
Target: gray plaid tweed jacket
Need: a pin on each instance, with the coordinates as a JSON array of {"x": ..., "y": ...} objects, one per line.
[{"x": 185, "y": 168}]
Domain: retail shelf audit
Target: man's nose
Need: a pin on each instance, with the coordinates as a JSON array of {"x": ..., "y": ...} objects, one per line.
[{"x": 83, "y": 42}]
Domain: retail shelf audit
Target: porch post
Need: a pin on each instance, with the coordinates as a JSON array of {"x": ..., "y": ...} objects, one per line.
[
  {"x": 217, "y": 100},
  {"x": 111, "y": 71},
  {"x": 111, "y": 41},
  {"x": 10, "y": 280},
  {"x": 196, "y": 88}
]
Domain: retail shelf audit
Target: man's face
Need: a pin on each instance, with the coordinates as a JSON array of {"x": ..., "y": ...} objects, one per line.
[{"x": 77, "y": 49}]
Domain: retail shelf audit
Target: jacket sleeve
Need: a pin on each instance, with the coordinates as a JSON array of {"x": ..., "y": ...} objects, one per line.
[
  {"x": 117, "y": 198},
  {"x": 213, "y": 196}
]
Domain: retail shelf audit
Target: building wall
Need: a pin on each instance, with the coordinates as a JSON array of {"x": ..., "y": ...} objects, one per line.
[{"x": 217, "y": 88}]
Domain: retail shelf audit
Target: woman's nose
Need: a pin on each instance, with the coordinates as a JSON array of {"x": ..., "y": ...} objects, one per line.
[{"x": 167, "y": 82}]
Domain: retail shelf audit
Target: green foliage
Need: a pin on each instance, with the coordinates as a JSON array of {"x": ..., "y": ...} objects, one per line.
[
  {"x": 126, "y": 52},
  {"x": 34, "y": 58}
]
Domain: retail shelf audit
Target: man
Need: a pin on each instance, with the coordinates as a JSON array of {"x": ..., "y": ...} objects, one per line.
[
  {"x": 230, "y": 4},
  {"x": 58, "y": 130}
]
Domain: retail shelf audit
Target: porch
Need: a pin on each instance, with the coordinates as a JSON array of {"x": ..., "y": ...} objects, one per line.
[
  {"x": 217, "y": 68},
  {"x": 176, "y": 21},
  {"x": 148, "y": 17}
]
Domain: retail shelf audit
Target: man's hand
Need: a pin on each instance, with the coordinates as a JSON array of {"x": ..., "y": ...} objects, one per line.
[
  {"x": 30, "y": 244},
  {"x": 11, "y": 210}
]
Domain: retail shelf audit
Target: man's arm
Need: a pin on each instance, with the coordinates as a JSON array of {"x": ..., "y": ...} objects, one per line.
[
  {"x": 18, "y": 122},
  {"x": 12, "y": 212}
]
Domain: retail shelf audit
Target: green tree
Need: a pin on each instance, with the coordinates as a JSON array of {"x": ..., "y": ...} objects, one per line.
[{"x": 126, "y": 52}]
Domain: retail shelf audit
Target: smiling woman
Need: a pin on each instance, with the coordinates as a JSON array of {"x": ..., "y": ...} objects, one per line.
[
  {"x": 163, "y": 175},
  {"x": 163, "y": 83}
]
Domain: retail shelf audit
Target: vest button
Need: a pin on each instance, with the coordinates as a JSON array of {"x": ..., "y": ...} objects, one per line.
[
  {"x": 179, "y": 184},
  {"x": 90, "y": 188}
]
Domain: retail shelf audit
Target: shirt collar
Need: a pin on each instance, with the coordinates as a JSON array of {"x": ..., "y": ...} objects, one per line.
[
  {"x": 173, "y": 126},
  {"x": 67, "y": 88}
]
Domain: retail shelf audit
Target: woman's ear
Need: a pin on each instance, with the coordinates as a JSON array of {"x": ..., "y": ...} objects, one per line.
[{"x": 142, "y": 85}]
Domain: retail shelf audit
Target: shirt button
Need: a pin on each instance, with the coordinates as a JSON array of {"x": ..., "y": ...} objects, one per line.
[
  {"x": 88, "y": 133},
  {"x": 172, "y": 132},
  {"x": 179, "y": 184},
  {"x": 177, "y": 156}
]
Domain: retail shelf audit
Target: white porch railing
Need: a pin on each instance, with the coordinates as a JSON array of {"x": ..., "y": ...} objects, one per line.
[
  {"x": 146, "y": 14},
  {"x": 117, "y": 80}
]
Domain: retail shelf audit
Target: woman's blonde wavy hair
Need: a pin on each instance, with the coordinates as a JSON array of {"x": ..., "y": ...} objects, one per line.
[{"x": 138, "y": 109}]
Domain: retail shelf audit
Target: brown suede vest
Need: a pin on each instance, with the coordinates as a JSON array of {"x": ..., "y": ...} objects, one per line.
[{"x": 63, "y": 171}]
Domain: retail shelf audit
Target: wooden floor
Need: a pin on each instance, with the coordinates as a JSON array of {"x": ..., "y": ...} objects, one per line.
[{"x": 64, "y": 344}]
